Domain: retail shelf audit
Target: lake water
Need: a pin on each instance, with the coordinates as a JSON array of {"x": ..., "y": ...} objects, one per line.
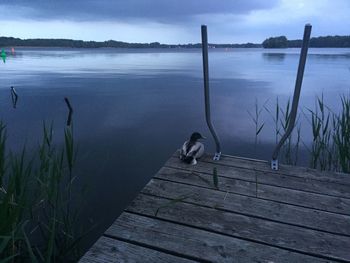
[{"x": 134, "y": 108}]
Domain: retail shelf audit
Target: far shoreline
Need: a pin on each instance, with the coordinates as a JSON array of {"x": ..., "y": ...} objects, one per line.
[{"x": 271, "y": 43}]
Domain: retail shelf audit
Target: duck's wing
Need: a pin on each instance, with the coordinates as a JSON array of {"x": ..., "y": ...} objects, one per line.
[
  {"x": 196, "y": 150},
  {"x": 200, "y": 151},
  {"x": 183, "y": 151}
]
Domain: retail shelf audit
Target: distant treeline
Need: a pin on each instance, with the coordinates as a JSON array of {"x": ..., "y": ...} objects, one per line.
[
  {"x": 328, "y": 41},
  {"x": 17, "y": 42},
  {"x": 272, "y": 42}
]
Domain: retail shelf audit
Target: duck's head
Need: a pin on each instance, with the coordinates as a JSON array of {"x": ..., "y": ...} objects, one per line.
[{"x": 196, "y": 136}]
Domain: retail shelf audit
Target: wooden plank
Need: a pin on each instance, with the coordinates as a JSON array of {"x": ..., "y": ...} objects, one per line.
[
  {"x": 264, "y": 166},
  {"x": 206, "y": 246},
  {"x": 203, "y": 167},
  {"x": 273, "y": 193},
  {"x": 305, "y": 199},
  {"x": 276, "y": 234},
  {"x": 206, "y": 180},
  {"x": 305, "y": 184},
  {"x": 266, "y": 177},
  {"x": 313, "y": 219},
  {"x": 111, "y": 250},
  {"x": 297, "y": 171}
]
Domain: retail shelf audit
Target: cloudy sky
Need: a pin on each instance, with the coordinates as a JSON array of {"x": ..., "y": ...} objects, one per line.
[{"x": 172, "y": 21}]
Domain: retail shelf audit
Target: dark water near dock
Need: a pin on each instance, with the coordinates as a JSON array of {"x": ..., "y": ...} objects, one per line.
[{"x": 134, "y": 108}]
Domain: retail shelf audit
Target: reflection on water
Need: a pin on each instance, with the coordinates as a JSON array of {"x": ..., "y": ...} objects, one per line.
[
  {"x": 274, "y": 56},
  {"x": 134, "y": 108}
]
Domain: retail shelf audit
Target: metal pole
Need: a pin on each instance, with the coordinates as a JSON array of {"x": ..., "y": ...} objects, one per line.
[
  {"x": 206, "y": 91},
  {"x": 296, "y": 96}
]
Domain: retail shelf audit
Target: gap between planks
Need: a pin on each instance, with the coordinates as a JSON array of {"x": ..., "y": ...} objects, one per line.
[
  {"x": 249, "y": 206},
  {"x": 266, "y": 192},
  {"x": 274, "y": 234},
  {"x": 275, "y": 179}
]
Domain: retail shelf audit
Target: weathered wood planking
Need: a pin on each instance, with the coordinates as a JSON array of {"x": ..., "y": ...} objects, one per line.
[
  {"x": 254, "y": 229},
  {"x": 269, "y": 192},
  {"x": 267, "y": 177},
  {"x": 206, "y": 180},
  {"x": 111, "y": 250},
  {"x": 317, "y": 201},
  {"x": 251, "y": 206},
  {"x": 294, "y": 171},
  {"x": 288, "y": 170},
  {"x": 197, "y": 243},
  {"x": 255, "y": 215}
]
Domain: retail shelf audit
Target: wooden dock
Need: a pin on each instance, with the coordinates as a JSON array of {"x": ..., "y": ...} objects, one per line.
[{"x": 255, "y": 215}]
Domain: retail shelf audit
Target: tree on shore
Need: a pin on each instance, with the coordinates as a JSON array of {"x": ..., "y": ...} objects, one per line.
[
  {"x": 275, "y": 42},
  {"x": 318, "y": 42}
]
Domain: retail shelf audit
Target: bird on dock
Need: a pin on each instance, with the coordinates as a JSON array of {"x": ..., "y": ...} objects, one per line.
[{"x": 192, "y": 149}]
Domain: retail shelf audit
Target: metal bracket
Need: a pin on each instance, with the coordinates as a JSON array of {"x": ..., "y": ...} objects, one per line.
[
  {"x": 217, "y": 156},
  {"x": 274, "y": 164}
]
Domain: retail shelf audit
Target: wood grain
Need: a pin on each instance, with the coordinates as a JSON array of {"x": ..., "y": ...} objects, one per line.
[
  {"x": 206, "y": 246},
  {"x": 255, "y": 214},
  {"x": 241, "y": 226},
  {"x": 269, "y": 192},
  {"x": 251, "y": 206},
  {"x": 111, "y": 250}
]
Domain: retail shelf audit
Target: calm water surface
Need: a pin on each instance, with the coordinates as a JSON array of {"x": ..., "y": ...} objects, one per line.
[{"x": 134, "y": 108}]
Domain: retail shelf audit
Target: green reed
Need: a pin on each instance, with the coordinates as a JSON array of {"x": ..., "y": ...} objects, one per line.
[
  {"x": 256, "y": 118},
  {"x": 321, "y": 151},
  {"x": 284, "y": 122},
  {"x": 341, "y": 135},
  {"x": 330, "y": 146},
  {"x": 38, "y": 212},
  {"x": 14, "y": 197},
  {"x": 280, "y": 117},
  {"x": 276, "y": 119},
  {"x": 215, "y": 177}
]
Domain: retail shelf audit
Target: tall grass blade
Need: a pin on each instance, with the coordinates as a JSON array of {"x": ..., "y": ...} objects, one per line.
[
  {"x": 215, "y": 177},
  {"x": 2, "y": 152},
  {"x": 33, "y": 258},
  {"x": 172, "y": 202}
]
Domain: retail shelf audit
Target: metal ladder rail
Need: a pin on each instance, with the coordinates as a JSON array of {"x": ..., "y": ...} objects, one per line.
[
  {"x": 296, "y": 96},
  {"x": 206, "y": 91}
]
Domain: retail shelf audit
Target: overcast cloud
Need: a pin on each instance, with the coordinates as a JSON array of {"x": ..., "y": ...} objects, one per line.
[
  {"x": 172, "y": 21},
  {"x": 155, "y": 10}
]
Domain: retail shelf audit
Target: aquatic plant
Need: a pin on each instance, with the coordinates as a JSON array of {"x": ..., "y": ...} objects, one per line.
[
  {"x": 321, "y": 148},
  {"x": 330, "y": 146},
  {"x": 341, "y": 135},
  {"x": 256, "y": 118},
  {"x": 275, "y": 117},
  {"x": 38, "y": 214},
  {"x": 280, "y": 118},
  {"x": 215, "y": 177},
  {"x": 284, "y": 122}
]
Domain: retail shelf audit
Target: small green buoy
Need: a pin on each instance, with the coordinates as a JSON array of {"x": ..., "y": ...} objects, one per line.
[{"x": 3, "y": 55}]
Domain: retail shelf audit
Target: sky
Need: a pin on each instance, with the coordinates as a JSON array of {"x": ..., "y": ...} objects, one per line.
[{"x": 172, "y": 21}]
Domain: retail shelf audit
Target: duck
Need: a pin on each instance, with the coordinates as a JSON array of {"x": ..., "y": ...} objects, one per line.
[{"x": 192, "y": 149}]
